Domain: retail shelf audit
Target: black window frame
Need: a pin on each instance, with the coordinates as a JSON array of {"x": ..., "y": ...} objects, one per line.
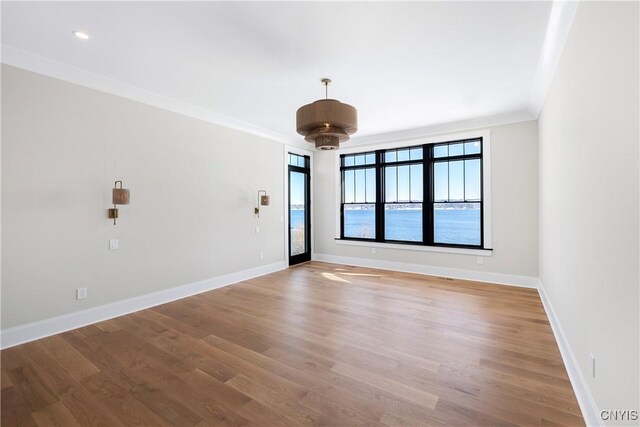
[
  {"x": 301, "y": 164},
  {"x": 354, "y": 168},
  {"x": 428, "y": 162}
]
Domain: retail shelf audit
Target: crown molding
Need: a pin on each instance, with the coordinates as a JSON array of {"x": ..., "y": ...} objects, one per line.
[
  {"x": 463, "y": 125},
  {"x": 558, "y": 28},
  {"x": 58, "y": 70}
]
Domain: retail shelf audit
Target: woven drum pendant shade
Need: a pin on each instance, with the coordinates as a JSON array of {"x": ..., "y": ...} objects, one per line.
[{"x": 326, "y": 122}]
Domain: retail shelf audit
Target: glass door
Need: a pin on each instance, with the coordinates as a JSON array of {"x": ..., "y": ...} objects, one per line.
[{"x": 299, "y": 209}]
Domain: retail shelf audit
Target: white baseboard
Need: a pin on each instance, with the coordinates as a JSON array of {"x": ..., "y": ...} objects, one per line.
[
  {"x": 579, "y": 383},
  {"x": 580, "y": 386},
  {"x": 43, "y": 328},
  {"x": 454, "y": 273}
]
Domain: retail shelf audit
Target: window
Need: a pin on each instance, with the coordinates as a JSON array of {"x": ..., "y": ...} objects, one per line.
[
  {"x": 427, "y": 195},
  {"x": 403, "y": 194},
  {"x": 359, "y": 195},
  {"x": 300, "y": 161}
]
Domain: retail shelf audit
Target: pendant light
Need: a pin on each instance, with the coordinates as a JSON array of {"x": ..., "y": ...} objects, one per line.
[{"x": 326, "y": 122}]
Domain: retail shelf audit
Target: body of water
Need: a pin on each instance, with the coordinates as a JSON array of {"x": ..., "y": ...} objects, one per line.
[{"x": 456, "y": 226}]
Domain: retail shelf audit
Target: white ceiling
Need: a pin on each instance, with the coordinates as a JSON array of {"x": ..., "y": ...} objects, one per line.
[{"x": 402, "y": 65}]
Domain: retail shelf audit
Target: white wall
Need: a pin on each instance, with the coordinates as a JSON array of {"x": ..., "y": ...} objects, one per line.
[
  {"x": 514, "y": 190},
  {"x": 193, "y": 189},
  {"x": 589, "y": 198}
]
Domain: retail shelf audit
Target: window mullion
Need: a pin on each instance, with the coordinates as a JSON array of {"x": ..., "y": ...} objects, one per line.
[
  {"x": 379, "y": 196},
  {"x": 427, "y": 190}
]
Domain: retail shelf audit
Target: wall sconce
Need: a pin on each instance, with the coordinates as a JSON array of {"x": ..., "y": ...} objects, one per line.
[
  {"x": 263, "y": 200},
  {"x": 120, "y": 196}
]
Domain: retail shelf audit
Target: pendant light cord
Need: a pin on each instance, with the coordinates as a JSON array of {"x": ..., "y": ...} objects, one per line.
[{"x": 326, "y": 87}]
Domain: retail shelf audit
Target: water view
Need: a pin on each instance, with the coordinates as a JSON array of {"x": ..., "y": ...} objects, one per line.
[{"x": 455, "y": 226}]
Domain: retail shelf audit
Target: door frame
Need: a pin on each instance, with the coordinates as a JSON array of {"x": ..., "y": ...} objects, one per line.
[{"x": 285, "y": 218}]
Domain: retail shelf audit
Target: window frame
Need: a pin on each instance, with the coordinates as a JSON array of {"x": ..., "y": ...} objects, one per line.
[
  {"x": 354, "y": 168},
  {"x": 428, "y": 217}
]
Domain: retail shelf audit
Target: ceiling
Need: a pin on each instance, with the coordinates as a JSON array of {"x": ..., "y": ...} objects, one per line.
[{"x": 403, "y": 65}]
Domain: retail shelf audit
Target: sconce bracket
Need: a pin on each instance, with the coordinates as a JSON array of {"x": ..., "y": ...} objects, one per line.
[{"x": 113, "y": 213}]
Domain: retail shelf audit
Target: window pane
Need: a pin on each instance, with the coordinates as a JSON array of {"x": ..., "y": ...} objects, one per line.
[
  {"x": 403, "y": 183},
  {"x": 403, "y": 222},
  {"x": 349, "y": 189},
  {"x": 403, "y": 155},
  {"x": 348, "y": 160},
  {"x": 457, "y": 223},
  {"x": 416, "y": 153},
  {"x": 370, "y": 158},
  {"x": 472, "y": 147},
  {"x": 472, "y": 179},
  {"x": 440, "y": 151},
  {"x": 297, "y": 211},
  {"x": 359, "y": 159},
  {"x": 390, "y": 184},
  {"x": 416, "y": 183},
  {"x": 371, "y": 185},
  {"x": 456, "y": 149},
  {"x": 441, "y": 181},
  {"x": 291, "y": 159},
  {"x": 360, "y": 221},
  {"x": 456, "y": 181},
  {"x": 301, "y": 161},
  {"x": 390, "y": 156},
  {"x": 360, "y": 186}
]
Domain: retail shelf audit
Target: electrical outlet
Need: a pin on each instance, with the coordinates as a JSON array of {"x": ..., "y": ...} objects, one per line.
[
  {"x": 593, "y": 365},
  {"x": 373, "y": 251},
  {"x": 479, "y": 260},
  {"x": 113, "y": 244},
  {"x": 261, "y": 255},
  {"x": 81, "y": 293}
]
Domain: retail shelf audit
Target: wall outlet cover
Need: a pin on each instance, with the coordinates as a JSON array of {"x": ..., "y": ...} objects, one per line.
[{"x": 81, "y": 293}]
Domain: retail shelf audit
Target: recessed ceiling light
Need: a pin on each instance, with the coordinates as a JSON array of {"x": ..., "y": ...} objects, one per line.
[{"x": 81, "y": 35}]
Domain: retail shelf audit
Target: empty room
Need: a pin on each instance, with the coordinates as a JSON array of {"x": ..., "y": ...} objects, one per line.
[{"x": 320, "y": 213}]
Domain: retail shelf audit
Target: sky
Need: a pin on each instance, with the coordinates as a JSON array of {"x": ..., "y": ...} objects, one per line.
[{"x": 454, "y": 181}]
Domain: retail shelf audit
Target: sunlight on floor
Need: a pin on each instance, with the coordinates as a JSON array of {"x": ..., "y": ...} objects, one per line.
[{"x": 334, "y": 278}]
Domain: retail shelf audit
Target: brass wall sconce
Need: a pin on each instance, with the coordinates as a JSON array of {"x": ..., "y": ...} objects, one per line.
[
  {"x": 263, "y": 200},
  {"x": 120, "y": 196}
]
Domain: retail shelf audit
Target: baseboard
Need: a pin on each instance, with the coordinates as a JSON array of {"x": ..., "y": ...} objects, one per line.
[
  {"x": 43, "y": 328},
  {"x": 580, "y": 386},
  {"x": 454, "y": 273},
  {"x": 579, "y": 383}
]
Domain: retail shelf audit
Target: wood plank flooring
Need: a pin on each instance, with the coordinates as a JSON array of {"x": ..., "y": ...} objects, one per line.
[{"x": 317, "y": 344}]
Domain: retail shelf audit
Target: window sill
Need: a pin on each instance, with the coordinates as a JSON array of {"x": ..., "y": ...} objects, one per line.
[{"x": 446, "y": 250}]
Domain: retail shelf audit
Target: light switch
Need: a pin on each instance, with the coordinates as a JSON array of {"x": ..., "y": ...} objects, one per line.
[{"x": 113, "y": 244}]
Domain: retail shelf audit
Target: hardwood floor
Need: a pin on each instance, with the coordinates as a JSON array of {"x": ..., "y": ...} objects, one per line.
[{"x": 317, "y": 344}]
